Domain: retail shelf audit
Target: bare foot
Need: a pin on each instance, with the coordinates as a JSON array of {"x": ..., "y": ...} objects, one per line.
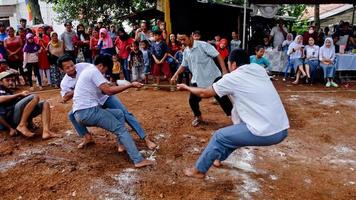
[
  {"x": 32, "y": 89},
  {"x": 295, "y": 82},
  {"x": 120, "y": 148},
  {"x": 144, "y": 163},
  {"x": 41, "y": 88},
  {"x": 13, "y": 132},
  {"x": 24, "y": 131},
  {"x": 194, "y": 173},
  {"x": 48, "y": 134},
  {"x": 86, "y": 142},
  {"x": 217, "y": 163},
  {"x": 150, "y": 144}
]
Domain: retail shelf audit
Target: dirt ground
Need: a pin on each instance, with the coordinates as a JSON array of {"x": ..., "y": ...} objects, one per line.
[{"x": 316, "y": 161}]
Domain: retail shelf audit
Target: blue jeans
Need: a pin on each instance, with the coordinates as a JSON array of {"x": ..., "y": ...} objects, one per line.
[
  {"x": 112, "y": 120},
  {"x": 226, "y": 140},
  {"x": 329, "y": 70},
  {"x": 125, "y": 69},
  {"x": 112, "y": 102},
  {"x": 313, "y": 66}
]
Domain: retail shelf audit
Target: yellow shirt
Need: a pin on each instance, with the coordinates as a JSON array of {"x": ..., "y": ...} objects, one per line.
[{"x": 116, "y": 69}]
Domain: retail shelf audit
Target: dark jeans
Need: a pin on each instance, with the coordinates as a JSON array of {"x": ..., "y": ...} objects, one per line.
[
  {"x": 224, "y": 102},
  {"x": 36, "y": 70}
]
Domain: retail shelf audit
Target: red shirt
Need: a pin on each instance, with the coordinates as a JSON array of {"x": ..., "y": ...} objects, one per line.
[
  {"x": 13, "y": 45},
  {"x": 43, "y": 62},
  {"x": 224, "y": 53},
  {"x": 93, "y": 43},
  {"x": 124, "y": 47}
]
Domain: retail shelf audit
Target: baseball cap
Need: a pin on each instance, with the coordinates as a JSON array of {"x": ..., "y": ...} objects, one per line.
[{"x": 5, "y": 74}]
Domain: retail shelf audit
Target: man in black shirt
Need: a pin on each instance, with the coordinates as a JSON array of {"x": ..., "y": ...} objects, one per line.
[{"x": 18, "y": 110}]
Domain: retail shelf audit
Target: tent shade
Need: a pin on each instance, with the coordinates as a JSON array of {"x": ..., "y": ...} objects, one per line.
[
  {"x": 151, "y": 13},
  {"x": 300, "y": 1}
]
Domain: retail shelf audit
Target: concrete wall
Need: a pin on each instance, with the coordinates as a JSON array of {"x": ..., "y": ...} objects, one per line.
[{"x": 17, "y": 10}]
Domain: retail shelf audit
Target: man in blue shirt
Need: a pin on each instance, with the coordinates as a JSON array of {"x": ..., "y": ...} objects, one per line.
[{"x": 3, "y": 34}]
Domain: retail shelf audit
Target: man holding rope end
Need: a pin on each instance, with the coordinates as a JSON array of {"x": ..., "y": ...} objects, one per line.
[
  {"x": 199, "y": 56},
  {"x": 258, "y": 116}
]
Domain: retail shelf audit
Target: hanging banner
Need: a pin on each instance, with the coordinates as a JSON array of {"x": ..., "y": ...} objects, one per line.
[{"x": 29, "y": 10}]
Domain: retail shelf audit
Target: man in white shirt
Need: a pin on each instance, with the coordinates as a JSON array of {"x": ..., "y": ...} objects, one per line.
[
  {"x": 279, "y": 34},
  {"x": 199, "y": 56},
  {"x": 258, "y": 116},
  {"x": 87, "y": 101},
  {"x": 67, "y": 90}
]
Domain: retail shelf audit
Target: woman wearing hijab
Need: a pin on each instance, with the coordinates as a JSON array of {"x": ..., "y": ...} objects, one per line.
[
  {"x": 287, "y": 42},
  {"x": 30, "y": 62},
  {"x": 105, "y": 43},
  {"x": 327, "y": 58},
  {"x": 82, "y": 42},
  {"x": 56, "y": 50},
  {"x": 296, "y": 55},
  {"x": 42, "y": 40}
]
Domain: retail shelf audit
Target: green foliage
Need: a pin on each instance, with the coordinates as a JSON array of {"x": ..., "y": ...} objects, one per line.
[
  {"x": 300, "y": 26},
  {"x": 292, "y": 10},
  {"x": 89, "y": 10}
]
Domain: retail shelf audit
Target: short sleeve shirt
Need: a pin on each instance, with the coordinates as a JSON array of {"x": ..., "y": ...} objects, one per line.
[
  {"x": 255, "y": 100},
  {"x": 200, "y": 61},
  {"x": 67, "y": 38},
  {"x": 264, "y": 62},
  {"x": 159, "y": 49},
  {"x": 87, "y": 93},
  {"x": 68, "y": 83}
]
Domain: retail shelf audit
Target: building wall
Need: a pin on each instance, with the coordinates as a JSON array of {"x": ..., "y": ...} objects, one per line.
[{"x": 19, "y": 10}]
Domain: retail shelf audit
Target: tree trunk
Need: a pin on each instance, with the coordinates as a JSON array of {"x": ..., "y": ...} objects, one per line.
[
  {"x": 317, "y": 15},
  {"x": 36, "y": 12}
]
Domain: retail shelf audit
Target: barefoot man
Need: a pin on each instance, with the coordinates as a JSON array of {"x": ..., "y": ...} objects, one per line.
[
  {"x": 87, "y": 109},
  {"x": 18, "y": 110},
  {"x": 67, "y": 89},
  {"x": 258, "y": 115}
]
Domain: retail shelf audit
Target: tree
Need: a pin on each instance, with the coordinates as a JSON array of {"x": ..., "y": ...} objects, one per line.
[
  {"x": 317, "y": 15},
  {"x": 90, "y": 10},
  {"x": 36, "y": 11}
]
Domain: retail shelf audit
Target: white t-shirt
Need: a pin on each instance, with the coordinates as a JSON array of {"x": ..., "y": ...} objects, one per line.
[
  {"x": 278, "y": 36},
  {"x": 68, "y": 83},
  {"x": 87, "y": 93},
  {"x": 256, "y": 101}
]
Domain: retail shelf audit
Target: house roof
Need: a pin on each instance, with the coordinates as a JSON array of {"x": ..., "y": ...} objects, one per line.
[
  {"x": 300, "y": 1},
  {"x": 326, "y": 10}
]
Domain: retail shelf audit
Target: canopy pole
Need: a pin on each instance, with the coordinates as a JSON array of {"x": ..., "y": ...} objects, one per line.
[
  {"x": 244, "y": 27},
  {"x": 353, "y": 15}
]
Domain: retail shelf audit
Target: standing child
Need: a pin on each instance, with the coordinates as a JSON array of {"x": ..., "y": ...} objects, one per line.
[
  {"x": 136, "y": 63},
  {"x": 259, "y": 58},
  {"x": 146, "y": 58},
  {"x": 159, "y": 54},
  {"x": 30, "y": 62},
  {"x": 116, "y": 68},
  {"x": 42, "y": 40}
]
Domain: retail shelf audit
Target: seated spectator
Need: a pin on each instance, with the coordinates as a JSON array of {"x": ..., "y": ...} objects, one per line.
[
  {"x": 259, "y": 58},
  {"x": 327, "y": 62},
  {"x": 296, "y": 54},
  {"x": 287, "y": 42},
  {"x": 18, "y": 110},
  {"x": 312, "y": 59}
]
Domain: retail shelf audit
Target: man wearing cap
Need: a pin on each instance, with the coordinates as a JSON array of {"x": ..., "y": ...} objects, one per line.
[{"x": 18, "y": 110}]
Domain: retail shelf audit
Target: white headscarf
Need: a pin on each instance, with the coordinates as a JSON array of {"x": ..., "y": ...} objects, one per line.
[
  {"x": 294, "y": 45},
  {"x": 325, "y": 52}
]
